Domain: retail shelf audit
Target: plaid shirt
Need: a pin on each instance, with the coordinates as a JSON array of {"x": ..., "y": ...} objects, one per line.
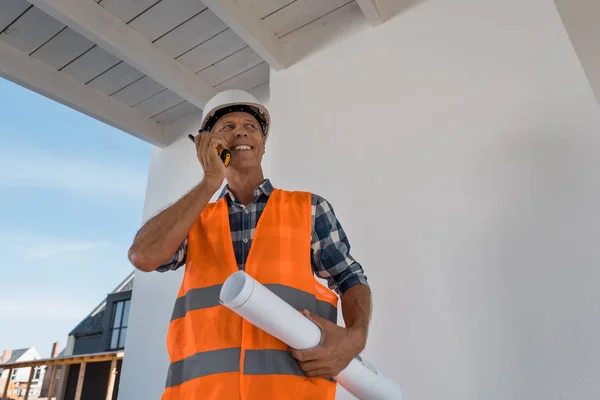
[{"x": 330, "y": 248}]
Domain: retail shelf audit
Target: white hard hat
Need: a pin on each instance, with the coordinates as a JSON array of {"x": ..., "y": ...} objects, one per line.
[{"x": 234, "y": 100}]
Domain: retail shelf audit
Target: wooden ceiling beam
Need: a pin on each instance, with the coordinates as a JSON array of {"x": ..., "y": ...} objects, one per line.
[
  {"x": 266, "y": 44},
  {"x": 108, "y": 31}
]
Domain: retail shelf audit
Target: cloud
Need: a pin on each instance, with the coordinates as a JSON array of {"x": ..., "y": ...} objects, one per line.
[{"x": 33, "y": 168}]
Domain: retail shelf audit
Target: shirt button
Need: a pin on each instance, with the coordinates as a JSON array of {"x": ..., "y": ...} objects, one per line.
[
  {"x": 245, "y": 240},
  {"x": 246, "y": 211}
]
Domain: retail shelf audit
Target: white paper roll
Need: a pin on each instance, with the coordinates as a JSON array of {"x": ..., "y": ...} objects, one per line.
[{"x": 258, "y": 305}]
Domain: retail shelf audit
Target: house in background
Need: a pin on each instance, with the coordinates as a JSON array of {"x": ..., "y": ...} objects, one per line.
[
  {"x": 103, "y": 331},
  {"x": 19, "y": 377}
]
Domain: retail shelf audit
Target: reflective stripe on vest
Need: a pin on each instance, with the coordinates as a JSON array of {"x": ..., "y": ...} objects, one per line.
[
  {"x": 256, "y": 362},
  {"x": 202, "y": 364},
  {"x": 207, "y": 297}
]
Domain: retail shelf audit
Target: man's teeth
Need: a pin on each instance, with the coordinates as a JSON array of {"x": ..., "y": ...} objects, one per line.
[{"x": 242, "y": 147}]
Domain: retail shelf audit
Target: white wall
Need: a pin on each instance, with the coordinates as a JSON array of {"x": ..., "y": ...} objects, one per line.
[
  {"x": 23, "y": 373},
  {"x": 459, "y": 146}
]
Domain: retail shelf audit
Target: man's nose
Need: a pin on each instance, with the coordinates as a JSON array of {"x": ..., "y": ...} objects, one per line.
[{"x": 240, "y": 131}]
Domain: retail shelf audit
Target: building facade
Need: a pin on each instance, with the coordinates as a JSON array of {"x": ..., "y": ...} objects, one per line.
[
  {"x": 19, "y": 377},
  {"x": 102, "y": 331}
]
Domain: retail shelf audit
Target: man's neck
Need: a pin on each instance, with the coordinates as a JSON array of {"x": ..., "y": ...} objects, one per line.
[{"x": 243, "y": 183}]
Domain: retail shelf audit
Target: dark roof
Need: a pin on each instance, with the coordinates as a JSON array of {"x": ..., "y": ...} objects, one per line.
[
  {"x": 93, "y": 322},
  {"x": 16, "y": 354}
]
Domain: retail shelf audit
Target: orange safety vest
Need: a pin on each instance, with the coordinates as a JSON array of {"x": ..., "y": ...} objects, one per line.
[{"x": 217, "y": 355}]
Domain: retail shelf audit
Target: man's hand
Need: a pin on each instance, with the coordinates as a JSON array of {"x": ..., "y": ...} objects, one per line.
[
  {"x": 206, "y": 148},
  {"x": 338, "y": 347}
]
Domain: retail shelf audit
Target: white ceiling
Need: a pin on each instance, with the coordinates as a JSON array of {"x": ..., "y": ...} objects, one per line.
[
  {"x": 582, "y": 22},
  {"x": 141, "y": 65},
  {"x": 145, "y": 65}
]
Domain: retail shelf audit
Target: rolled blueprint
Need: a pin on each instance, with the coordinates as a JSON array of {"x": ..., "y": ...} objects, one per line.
[{"x": 261, "y": 307}]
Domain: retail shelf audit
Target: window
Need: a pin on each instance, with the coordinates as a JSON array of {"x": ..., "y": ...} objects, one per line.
[
  {"x": 118, "y": 330},
  {"x": 14, "y": 374},
  {"x": 37, "y": 374}
]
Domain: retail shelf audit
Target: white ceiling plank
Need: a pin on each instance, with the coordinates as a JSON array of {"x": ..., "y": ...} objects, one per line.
[
  {"x": 211, "y": 51},
  {"x": 230, "y": 66},
  {"x": 158, "y": 103},
  {"x": 41, "y": 78},
  {"x": 91, "y": 64},
  {"x": 63, "y": 48},
  {"x": 322, "y": 32},
  {"x": 31, "y": 30},
  {"x": 115, "y": 78},
  {"x": 126, "y": 10},
  {"x": 248, "y": 26},
  {"x": 371, "y": 10},
  {"x": 138, "y": 91},
  {"x": 300, "y": 13},
  {"x": 263, "y": 8},
  {"x": 165, "y": 16},
  {"x": 10, "y": 11},
  {"x": 248, "y": 79},
  {"x": 108, "y": 31},
  {"x": 192, "y": 33},
  {"x": 177, "y": 112}
]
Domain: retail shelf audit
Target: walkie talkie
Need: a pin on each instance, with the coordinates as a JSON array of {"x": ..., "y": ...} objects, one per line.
[{"x": 223, "y": 153}]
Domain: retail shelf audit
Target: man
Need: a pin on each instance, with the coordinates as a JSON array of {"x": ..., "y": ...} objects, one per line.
[{"x": 280, "y": 238}]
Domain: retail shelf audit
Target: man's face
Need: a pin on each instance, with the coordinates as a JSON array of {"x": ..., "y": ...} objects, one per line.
[{"x": 244, "y": 137}]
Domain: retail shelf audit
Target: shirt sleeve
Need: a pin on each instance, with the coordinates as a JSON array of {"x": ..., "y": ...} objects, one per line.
[
  {"x": 177, "y": 261},
  {"x": 330, "y": 250}
]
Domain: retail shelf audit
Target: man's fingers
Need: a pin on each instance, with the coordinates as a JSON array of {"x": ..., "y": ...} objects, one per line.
[
  {"x": 320, "y": 373},
  {"x": 208, "y": 145},
  {"x": 200, "y": 148},
  {"x": 314, "y": 362},
  {"x": 317, "y": 319},
  {"x": 223, "y": 143},
  {"x": 214, "y": 141},
  {"x": 313, "y": 365},
  {"x": 306, "y": 355}
]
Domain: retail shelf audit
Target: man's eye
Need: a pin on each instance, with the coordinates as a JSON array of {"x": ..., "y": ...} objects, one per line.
[
  {"x": 250, "y": 126},
  {"x": 228, "y": 126}
]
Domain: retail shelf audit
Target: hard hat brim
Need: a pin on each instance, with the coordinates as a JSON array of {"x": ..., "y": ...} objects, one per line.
[{"x": 257, "y": 110}]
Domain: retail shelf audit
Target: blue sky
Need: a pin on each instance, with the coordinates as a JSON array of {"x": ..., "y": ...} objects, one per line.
[{"x": 71, "y": 198}]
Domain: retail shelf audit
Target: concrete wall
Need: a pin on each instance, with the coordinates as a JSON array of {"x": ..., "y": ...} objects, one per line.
[{"x": 459, "y": 146}]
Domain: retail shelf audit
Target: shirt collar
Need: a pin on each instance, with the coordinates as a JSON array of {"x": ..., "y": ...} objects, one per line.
[{"x": 265, "y": 188}]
